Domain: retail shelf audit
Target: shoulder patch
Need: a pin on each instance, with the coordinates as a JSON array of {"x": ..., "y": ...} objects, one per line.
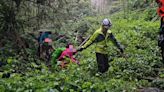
[{"x": 99, "y": 38}]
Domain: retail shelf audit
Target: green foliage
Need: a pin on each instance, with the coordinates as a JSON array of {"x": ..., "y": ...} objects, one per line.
[
  {"x": 137, "y": 33},
  {"x": 2, "y": 88},
  {"x": 138, "y": 4}
]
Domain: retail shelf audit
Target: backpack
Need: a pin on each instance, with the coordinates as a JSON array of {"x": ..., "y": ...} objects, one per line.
[{"x": 43, "y": 36}]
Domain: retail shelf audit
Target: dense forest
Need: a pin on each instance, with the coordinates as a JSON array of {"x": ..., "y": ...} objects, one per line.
[{"x": 24, "y": 68}]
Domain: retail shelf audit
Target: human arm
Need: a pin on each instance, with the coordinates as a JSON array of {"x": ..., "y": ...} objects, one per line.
[
  {"x": 89, "y": 42},
  {"x": 116, "y": 43}
]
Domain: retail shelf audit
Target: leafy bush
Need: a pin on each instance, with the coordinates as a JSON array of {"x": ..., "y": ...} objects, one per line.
[{"x": 126, "y": 73}]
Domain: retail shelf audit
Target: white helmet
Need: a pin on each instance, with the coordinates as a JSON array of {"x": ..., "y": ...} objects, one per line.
[{"x": 106, "y": 22}]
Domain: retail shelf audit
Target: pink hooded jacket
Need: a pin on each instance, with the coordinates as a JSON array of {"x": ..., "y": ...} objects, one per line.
[{"x": 68, "y": 52}]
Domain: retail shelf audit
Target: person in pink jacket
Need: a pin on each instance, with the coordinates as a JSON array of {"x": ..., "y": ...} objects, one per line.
[{"x": 67, "y": 54}]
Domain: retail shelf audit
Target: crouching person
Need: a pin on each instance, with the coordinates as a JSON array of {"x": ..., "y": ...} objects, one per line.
[{"x": 67, "y": 56}]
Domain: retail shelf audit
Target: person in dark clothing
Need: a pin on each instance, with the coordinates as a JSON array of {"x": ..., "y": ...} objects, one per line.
[
  {"x": 160, "y": 12},
  {"x": 45, "y": 46},
  {"x": 100, "y": 37}
]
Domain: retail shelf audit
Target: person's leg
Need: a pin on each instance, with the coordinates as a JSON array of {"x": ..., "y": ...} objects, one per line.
[
  {"x": 99, "y": 62},
  {"x": 161, "y": 40},
  {"x": 162, "y": 52},
  {"x": 106, "y": 64},
  {"x": 102, "y": 61},
  {"x": 48, "y": 55},
  {"x": 38, "y": 51},
  {"x": 161, "y": 23},
  {"x": 41, "y": 51}
]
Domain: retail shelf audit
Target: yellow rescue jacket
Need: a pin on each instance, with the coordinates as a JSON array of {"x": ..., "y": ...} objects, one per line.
[{"x": 101, "y": 41}]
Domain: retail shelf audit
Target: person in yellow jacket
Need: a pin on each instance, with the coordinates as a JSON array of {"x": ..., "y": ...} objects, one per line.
[{"x": 101, "y": 37}]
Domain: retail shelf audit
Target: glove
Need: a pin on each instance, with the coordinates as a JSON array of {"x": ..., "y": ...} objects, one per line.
[{"x": 79, "y": 49}]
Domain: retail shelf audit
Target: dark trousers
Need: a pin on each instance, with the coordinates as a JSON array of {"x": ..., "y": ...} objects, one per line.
[
  {"x": 162, "y": 22},
  {"x": 102, "y": 61},
  {"x": 161, "y": 38}
]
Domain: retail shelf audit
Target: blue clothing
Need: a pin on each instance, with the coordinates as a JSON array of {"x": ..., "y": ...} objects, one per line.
[{"x": 43, "y": 36}]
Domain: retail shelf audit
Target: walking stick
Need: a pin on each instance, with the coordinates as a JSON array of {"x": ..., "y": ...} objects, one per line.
[{"x": 84, "y": 41}]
